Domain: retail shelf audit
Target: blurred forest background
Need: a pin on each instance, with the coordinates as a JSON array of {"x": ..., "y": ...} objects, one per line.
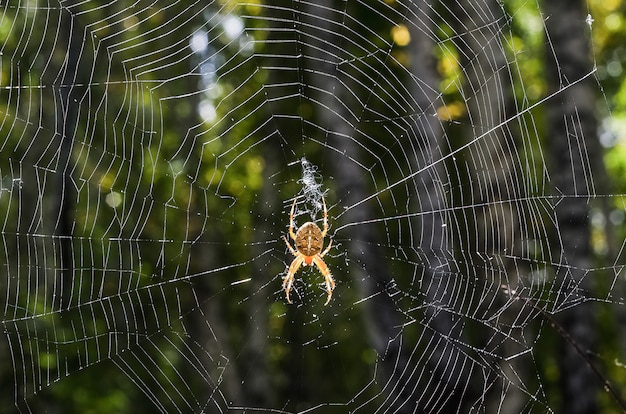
[{"x": 151, "y": 151}]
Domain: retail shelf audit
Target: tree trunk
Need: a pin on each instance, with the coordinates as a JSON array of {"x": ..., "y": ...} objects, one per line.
[
  {"x": 574, "y": 150},
  {"x": 368, "y": 269},
  {"x": 257, "y": 389},
  {"x": 449, "y": 366},
  {"x": 495, "y": 170},
  {"x": 66, "y": 196}
]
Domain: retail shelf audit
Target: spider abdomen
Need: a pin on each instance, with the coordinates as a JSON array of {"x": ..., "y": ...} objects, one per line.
[{"x": 309, "y": 240}]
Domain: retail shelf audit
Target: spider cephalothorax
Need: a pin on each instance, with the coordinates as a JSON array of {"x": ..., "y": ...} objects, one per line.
[{"x": 309, "y": 241}]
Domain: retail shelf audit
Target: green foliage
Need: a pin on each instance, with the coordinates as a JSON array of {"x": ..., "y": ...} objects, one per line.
[{"x": 169, "y": 207}]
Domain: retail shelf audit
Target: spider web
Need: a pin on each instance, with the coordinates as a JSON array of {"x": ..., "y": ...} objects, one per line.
[{"x": 150, "y": 155}]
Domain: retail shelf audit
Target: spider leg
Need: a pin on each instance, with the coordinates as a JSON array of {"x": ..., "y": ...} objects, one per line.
[
  {"x": 291, "y": 222},
  {"x": 288, "y": 280},
  {"x": 330, "y": 243},
  {"x": 325, "y": 218},
  {"x": 330, "y": 282},
  {"x": 293, "y": 251}
]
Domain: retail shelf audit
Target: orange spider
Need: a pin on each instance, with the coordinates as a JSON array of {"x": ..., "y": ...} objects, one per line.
[{"x": 309, "y": 240}]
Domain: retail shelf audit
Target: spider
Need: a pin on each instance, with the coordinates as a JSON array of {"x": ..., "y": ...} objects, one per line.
[{"x": 309, "y": 240}]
